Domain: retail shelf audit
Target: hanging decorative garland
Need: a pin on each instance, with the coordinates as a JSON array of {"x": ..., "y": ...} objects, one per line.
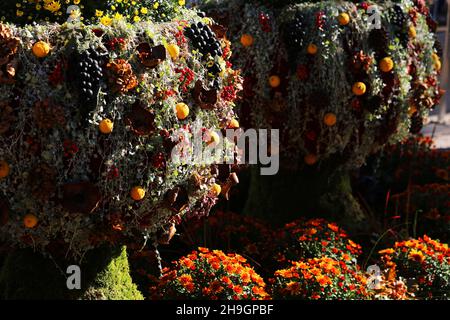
[
  {"x": 88, "y": 119},
  {"x": 335, "y": 85}
]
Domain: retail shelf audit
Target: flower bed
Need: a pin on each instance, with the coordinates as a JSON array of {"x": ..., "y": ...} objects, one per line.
[
  {"x": 319, "y": 278},
  {"x": 425, "y": 262},
  {"x": 210, "y": 274},
  {"x": 315, "y": 238}
]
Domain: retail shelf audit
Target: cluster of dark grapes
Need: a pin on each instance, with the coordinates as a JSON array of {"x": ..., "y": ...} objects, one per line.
[
  {"x": 397, "y": 16},
  {"x": 89, "y": 73},
  {"x": 294, "y": 35},
  {"x": 398, "y": 19},
  {"x": 203, "y": 39}
]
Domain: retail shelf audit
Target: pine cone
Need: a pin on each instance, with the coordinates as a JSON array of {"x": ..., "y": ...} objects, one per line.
[
  {"x": 48, "y": 115},
  {"x": 8, "y": 48},
  {"x": 121, "y": 76},
  {"x": 7, "y": 117},
  {"x": 42, "y": 182}
]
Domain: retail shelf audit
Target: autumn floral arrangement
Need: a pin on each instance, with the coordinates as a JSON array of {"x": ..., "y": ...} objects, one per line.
[
  {"x": 337, "y": 86},
  {"x": 89, "y": 115},
  {"x": 210, "y": 274},
  {"x": 315, "y": 238},
  {"x": 320, "y": 278},
  {"x": 424, "y": 262}
]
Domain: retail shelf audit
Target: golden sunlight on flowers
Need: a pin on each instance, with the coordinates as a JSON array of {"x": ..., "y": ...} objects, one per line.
[
  {"x": 211, "y": 274},
  {"x": 53, "y": 6},
  {"x": 416, "y": 256}
]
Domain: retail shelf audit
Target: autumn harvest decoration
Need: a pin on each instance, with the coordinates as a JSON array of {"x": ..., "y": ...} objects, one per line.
[
  {"x": 337, "y": 87},
  {"x": 89, "y": 115}
]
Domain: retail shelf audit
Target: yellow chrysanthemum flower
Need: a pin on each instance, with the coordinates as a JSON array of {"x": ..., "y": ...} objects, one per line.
[
  {"x": 181, "y": 2},
  {"x": 144, "y": 10},
  {"x": 156, "y": 5},
  {"x": 76, "y": 1},
  {"x": 118, "y": 17},
  {"x": 136, "y": 19},
  {"x": 98, "y": 13},
  {"x": 106, "y": 21},
  {"x": 53, "y": 6},
  {"x": 19, "y": 13}
]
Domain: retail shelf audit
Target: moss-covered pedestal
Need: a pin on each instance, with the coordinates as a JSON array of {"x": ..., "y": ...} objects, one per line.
[{"x": 104, "y": 276}]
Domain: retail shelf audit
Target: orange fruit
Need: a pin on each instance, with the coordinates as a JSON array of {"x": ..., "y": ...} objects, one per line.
[
  {"x": 359, "y": 88},
  {"x": 174, "y": 51},
  {"x": 4, "y": 169},
  {"x": 137, "y": 193},
  {"x": 412, "y": 32},
  {"x": 234, "y": 124},
  {"x": 246, "y": 40},
  {"x": 30, "y": 221},
  {"x": 344, "y": 19},
  {"x": 274, "y": 81},
  {"x": 216, "y": 189},
  {"x": 412, "y": 109},
  {"x": 386, "y": 64},
  {"x": 312, "y": 48},
  {"x": 182, "y": 110},
  {"x": 41, "y": 49},
  {"x": 437, "y": 65},
  {"x": 106, "y": 126},
  {"x": 214, "y": 138},
  {"x": 329, "y": 119}
]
